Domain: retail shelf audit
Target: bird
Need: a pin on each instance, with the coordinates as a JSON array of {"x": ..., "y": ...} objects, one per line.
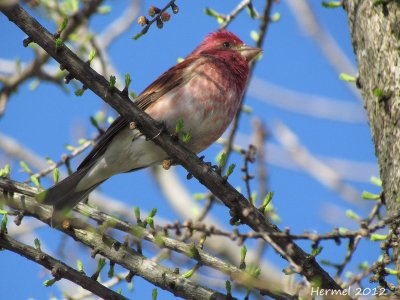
[{"x": 202, "y": 93}]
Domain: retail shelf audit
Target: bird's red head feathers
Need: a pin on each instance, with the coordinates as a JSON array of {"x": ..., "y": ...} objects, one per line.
[{"x": 222, "y": 40}]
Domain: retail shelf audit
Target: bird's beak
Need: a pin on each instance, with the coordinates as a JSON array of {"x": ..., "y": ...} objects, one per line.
[{"x": 249, "y": 52}]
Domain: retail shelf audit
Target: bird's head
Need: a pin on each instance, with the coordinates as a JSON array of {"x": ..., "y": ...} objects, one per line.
[{"x": 225, "y": 43}]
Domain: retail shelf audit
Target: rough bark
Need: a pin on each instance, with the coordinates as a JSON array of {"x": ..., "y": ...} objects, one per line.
[{"x": 375, "y": 34}]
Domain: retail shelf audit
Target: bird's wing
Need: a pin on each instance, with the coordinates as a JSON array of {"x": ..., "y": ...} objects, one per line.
[{"x": 169, "y": 80}]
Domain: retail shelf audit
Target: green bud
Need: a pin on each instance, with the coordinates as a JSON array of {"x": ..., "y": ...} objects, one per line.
[
  {"x": 5, "y": 171},
  {"x": 230, "y": 169},
  {"x": 92, "y": 54},
  {"x": 79, "y": 265},
  {"x": 347, "y": 77},
  {"x": 332, "y": 4},
  {"x": 37, "y": 244},
  {"x": 370, "y": 196},
  {"x": 154, "y": 294}
]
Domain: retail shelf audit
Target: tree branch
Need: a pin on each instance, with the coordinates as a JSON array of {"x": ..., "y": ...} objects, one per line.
[
  {"x": 238, "y": 205},
  {"x": 58, "y": 269},
  {"x": 22, "y": 198}
]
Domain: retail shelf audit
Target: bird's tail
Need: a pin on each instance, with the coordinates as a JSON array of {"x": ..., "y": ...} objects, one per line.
[{"x": 63, "y": 196}]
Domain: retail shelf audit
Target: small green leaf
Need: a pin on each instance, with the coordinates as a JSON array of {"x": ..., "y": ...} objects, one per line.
[
  {"x": 179, "y": 126},
  {"x": 247, "y": 109},
  {"x": 378, "y": 92},
  {"x": 25, "y": 167},
  {"x": 267, "y": 200},
  {"x": 35, "y": 180},
  {"x": 332, "y": 4},
  {"x": 391, "y": 271},
  {"x": 222, "y": 160},
  {"x": 187, "y": 137},
  {"x": 3, "y": 229},
  {"x": 190, "y": 273},
  {"x": 127, "y": 80},
  {"x": 228, "y": 287},
  {"x": 110, "y": 273},
  {"x": 352, "y": 215},
  {"x": 377, "y": 181},
  {"x": 347, "y": 77},
  {"x": 136, "y": 210},
  {"x": 316, "y": 251},
  {"x": 243, "y": 252},
  {"x": 253, "y": 271},
  {"x": 104, "y": 9},
  {"x": 34, "y": 84},
  {"x": 37, "y": 244},
  {"x": 69, "y": 147},
  {"x": 327, "y": 263},
  {"x": 59, "y": 42},
  {"x": 275, "y": 17},
  {"x": 193, "y": 251},
  {"x": 137, "y": 36},
  {"x": 56, "y": 175},
  {"x": 199, "y": 196},
  {"x": 82, "y": 141},
  {"x": 154, "y": 294},
  {"x": 49, "y": 282},
  {"x": 254, "y": 35},
  {"x": 230, "y": 169},
  {"x": 113, "y": 80},
  {"x": 370, "y": 196},
  {"x": 150, "y": 221},
  {"x": 363, "y": 266},
  {"x": 153, "y": 212},
  {"x": 79, "y": 265},
  {"x": 92, "y": 55},
  {"x": 63, "y": 25},
  {"x": 5, "y": 171},
  {"x": 101, "y": 264},
  {"x": 212, "y": 13},
  {"x": 378, "y": 237}
]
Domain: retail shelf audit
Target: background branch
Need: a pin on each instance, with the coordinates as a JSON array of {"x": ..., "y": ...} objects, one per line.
[{"x": 238, "y": 205}]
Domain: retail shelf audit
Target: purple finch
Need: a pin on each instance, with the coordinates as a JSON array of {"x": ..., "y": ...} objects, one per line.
[{"x": 202, "y": 94}]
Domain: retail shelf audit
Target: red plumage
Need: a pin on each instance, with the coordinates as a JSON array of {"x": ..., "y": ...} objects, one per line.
[{"x": 203, "y": 92}]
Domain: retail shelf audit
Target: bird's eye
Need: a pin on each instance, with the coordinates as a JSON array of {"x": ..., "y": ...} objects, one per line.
[{"x": 226, "y": 45}]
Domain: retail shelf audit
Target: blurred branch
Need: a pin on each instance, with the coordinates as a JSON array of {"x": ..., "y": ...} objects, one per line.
[
  {"x": 58, "y": 269},
  {"x": 235, "y": 12},
  {"x": 239, "y": 207},
  {"x": 120, "y": 25},
  {"x": 306, "y": 104},
  {"x": 307, "y": 19},
  {"x": 262, "y": 32},
  {"x": 315, "y": 167},
  {"x": 187, "y": 208},
  {"x": 12, "y": 82},
  {"x": 20, "y": 152},
  {"x": 346, "y": 169}
]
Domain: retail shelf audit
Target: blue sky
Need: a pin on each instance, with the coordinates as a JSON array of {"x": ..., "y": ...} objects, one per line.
[{"x": 45, "y": 119}]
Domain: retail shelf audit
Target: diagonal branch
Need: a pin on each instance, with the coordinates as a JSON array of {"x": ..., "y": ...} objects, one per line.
[
  {"x": 21, "y": 197},
  {"x": 238, "y": 205},
  {"x": 58, "y": 269}
]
